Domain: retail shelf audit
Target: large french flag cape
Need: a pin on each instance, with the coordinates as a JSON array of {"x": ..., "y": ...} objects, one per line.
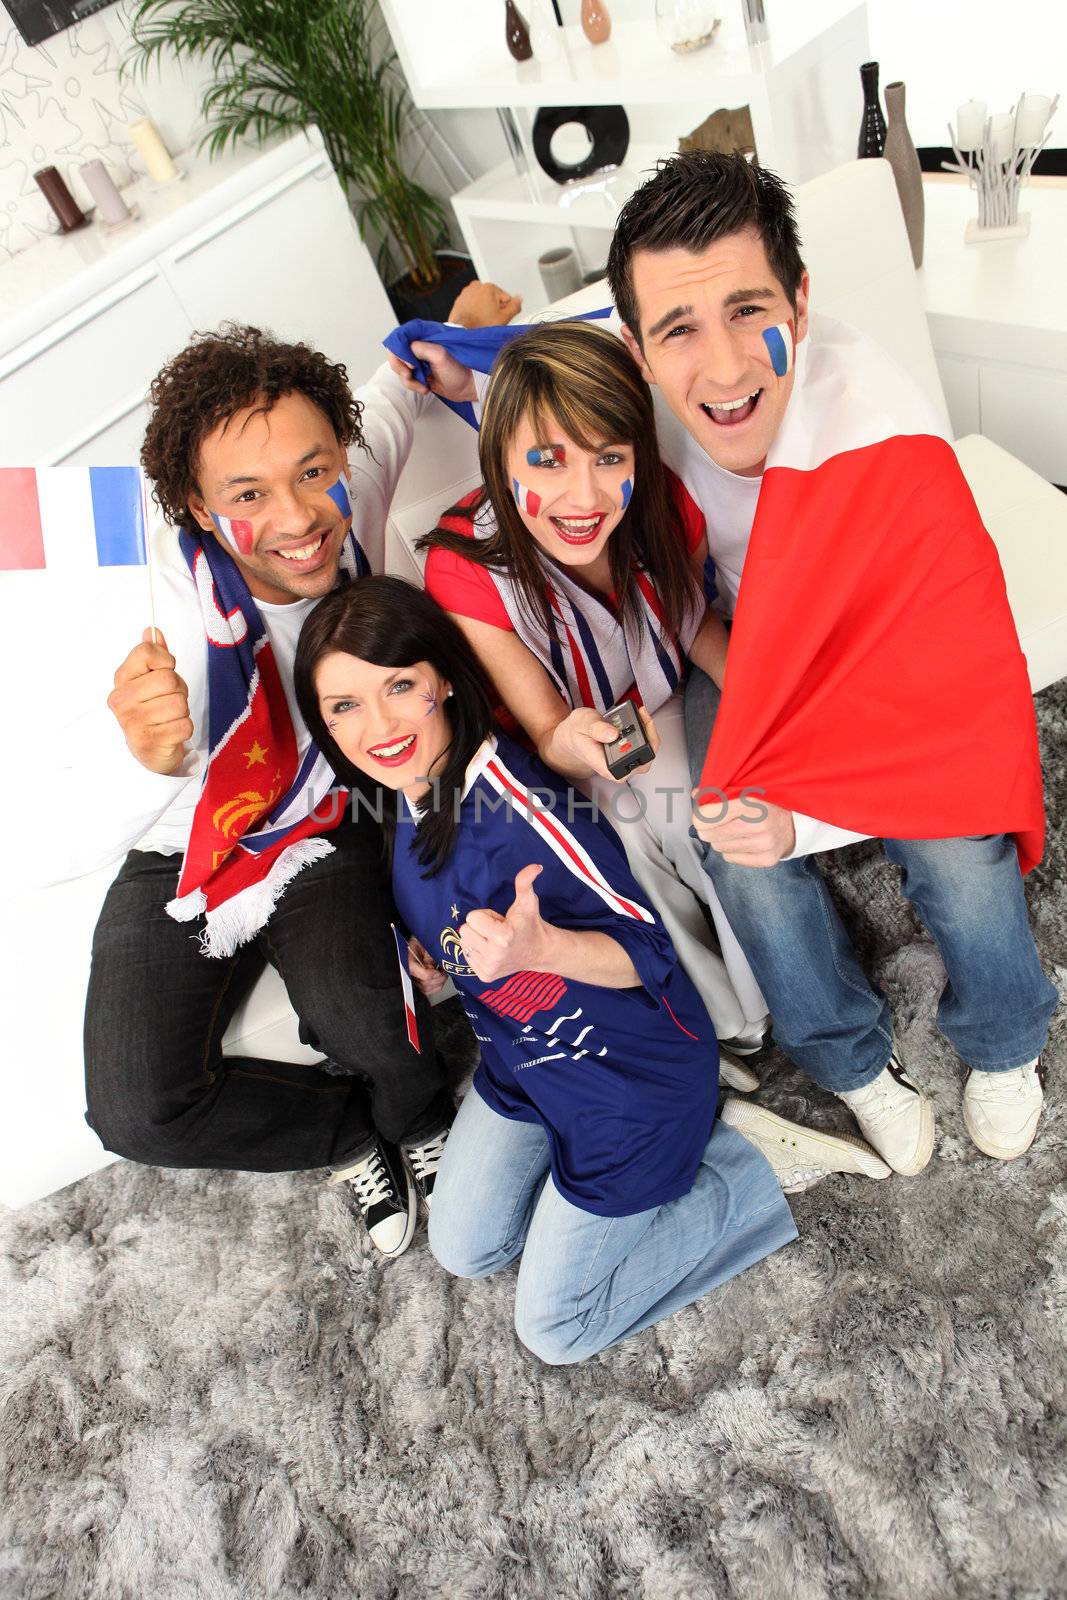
[
  {"x": 264, "y": 808},
  {"x": 875, "y": 678}
]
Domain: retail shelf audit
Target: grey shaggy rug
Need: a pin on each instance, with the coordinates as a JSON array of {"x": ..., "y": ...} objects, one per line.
[{"x": 212, "y": 1390}]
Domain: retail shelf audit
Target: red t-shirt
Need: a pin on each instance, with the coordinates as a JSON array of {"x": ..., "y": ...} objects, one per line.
[{"x": 467, "y": 588}]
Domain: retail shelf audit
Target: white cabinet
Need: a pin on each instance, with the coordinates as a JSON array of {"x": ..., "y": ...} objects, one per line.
[
  {"x": 290, "y": 259},
  {"x": 78, "y": 389},
  {"x": 998, "y": 324},
  {"x": 1025, "y": 411},
  {"x": 265, "y": 238}
]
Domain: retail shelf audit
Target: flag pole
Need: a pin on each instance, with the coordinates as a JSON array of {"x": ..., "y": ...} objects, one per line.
[{"x": 148, "y": 555}]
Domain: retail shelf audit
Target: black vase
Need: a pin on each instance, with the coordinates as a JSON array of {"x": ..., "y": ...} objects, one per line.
[
  {"x": 872, "y": 127},
  {"x": 608, "y": 128}
]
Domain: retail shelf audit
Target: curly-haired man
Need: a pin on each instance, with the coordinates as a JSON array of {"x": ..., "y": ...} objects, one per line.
[{"x": 276, "y": 483}]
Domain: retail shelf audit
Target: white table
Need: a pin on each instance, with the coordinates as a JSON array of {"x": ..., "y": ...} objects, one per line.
[{"x": 998, "y": 322}]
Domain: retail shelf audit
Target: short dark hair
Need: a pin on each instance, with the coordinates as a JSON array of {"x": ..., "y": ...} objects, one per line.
[
  {"x": 390, "y": 623},
  {"x": 219, "y": 374},
  {"x": 691, "y": 201}
]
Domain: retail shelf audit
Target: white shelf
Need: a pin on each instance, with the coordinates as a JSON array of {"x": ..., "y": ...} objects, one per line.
[
  {"x": 453, "y": 53},
  {"x": 503, "y": 195}
]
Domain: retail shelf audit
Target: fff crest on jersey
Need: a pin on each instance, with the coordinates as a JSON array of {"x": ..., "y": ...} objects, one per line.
[{"x": 453, "y": 959}]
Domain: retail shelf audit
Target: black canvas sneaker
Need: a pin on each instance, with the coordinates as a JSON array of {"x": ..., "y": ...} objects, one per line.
[
  {"x": 424, "y": 1160},
  {"x": 385, "y": 1193}
]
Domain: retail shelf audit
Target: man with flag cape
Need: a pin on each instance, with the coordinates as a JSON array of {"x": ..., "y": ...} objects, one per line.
[
  {"x": 242, "y": 847},
  {"x": 874, "y": 677}
]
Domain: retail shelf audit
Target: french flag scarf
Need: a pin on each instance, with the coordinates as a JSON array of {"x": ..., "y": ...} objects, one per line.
[
  {"x": 588, "y": 656},
  {"x": 874, "y": 678},
  {"x": 263, "y": 808}
]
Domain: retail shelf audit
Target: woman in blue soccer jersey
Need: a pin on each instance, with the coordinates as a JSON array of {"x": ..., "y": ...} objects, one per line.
[
  {"x": 577, "y": 572},
  {"x": 588, "y": 1144}
]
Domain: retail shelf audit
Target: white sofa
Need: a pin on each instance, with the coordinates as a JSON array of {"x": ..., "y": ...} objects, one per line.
[{"x": 856, "y": 248}]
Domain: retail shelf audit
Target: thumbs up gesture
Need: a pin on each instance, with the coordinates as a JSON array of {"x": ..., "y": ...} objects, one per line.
[{"x": 518, "y": 942}]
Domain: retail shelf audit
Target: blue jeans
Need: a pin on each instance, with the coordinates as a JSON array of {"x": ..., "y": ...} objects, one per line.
[
  {"x": 586, "y": 1281},
  {"x": 995, "y": 1006}
]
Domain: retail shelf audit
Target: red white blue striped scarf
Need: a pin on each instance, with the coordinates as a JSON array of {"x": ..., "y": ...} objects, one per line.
[{"x": 262, "y": 810}]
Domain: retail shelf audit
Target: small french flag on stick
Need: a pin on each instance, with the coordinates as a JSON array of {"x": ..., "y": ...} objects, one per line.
[
  {"x": 70, "y": 517},
  {"x": 781, "y": 342},
  {"x": 409, "y": 992}
]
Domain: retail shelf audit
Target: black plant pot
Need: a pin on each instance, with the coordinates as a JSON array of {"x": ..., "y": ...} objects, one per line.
[{"x": 409, "y": 301}]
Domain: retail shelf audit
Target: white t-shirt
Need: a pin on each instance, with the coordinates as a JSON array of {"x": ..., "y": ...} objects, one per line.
[
  {"x": 727, "y": 500},
  {"x": 107, "y": 803}
]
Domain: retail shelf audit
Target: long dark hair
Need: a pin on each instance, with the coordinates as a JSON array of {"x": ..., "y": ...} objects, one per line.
[
  {"x": 390, "y": 623},
  {"x": 584, "y": 379}
]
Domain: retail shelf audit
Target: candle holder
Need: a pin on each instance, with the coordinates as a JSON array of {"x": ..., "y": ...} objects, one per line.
[{"x": 999, "y": 162}]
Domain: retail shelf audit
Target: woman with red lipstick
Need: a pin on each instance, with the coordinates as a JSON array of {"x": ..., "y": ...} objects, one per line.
[
  {"x": 578, "y": 574},
  {"x": 589, "y": 1143}
]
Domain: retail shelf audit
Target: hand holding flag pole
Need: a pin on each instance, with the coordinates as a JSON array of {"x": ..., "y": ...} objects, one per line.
[{"x": 146, "y": 537}]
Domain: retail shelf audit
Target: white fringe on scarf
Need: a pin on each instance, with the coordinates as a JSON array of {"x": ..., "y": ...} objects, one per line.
[{"x": 241, "y": 917}]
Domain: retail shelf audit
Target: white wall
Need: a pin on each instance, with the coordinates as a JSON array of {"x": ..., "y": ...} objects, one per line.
[{"x": 947, "y": 54}]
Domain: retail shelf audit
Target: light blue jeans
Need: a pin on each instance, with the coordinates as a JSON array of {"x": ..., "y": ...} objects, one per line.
[
  {"x": 996, "y": 1004},
  {"x": 585, "y": 1281}
]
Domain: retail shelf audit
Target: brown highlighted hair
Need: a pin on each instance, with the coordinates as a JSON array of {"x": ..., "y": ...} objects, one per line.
[
  {"x": 689, "y": 203},
  {"x": 390, "y": 623},
  {"x": 581, "y": 378},
  {"x": 216, "y": 376}
]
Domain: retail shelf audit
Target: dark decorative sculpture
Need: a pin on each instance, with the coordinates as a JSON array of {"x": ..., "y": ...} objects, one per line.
[{"x": 607, "y": 126}]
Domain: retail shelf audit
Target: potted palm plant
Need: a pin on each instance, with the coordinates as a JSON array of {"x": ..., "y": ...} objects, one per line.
[{"x": 281, "y": 65}]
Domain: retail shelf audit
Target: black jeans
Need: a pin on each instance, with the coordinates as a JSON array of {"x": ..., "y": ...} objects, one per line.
[{"x": 157, "y": 1085}]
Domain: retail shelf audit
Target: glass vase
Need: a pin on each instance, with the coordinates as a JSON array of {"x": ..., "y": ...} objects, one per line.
[{"x": 686, "y": 24}]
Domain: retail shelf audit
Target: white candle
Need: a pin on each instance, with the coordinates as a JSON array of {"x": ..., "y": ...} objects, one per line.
[
  {"x": 1033, "y": 114},
  {"x": 1000, "y": 137},
  {"x": 97, "y": 180},
  {"x": 970, "y": 124},
  {"x": 154, "y": 153}
]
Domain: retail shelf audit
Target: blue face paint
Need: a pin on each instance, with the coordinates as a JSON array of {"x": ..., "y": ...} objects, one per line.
[
  {"x": 627, "y": 491},
  {"x": 781, "y": 347},
  {"x": 341, "y": 495}
]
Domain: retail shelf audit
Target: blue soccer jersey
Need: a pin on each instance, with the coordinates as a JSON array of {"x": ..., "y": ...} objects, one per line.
[{"x": 624, "y": 1081}]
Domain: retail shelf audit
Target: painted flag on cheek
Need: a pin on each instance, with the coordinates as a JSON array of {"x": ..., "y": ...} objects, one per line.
[
  {"x": 70, "y": 517},
  {"x": 341, "y": 495},
  {"x": 781, "y": 342},
  {"x": 237, "y": 532},
  {"x": 526, "y": 499},
  {"x": 405, "y": 984}
]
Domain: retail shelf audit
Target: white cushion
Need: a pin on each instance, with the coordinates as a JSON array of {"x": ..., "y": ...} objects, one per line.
[{"x": 1027, "y": 519}]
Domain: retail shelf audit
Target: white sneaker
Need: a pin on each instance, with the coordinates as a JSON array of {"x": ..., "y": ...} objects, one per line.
[
  {"x": 1001, "y": 1109},
  {"x": 895, "y": 1117},
  {"x": 734, "y": 1073},
  {"x": 800, "y": 1156}
]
